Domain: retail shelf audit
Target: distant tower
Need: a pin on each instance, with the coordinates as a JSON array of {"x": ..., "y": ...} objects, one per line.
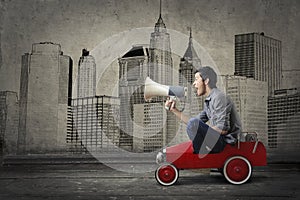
[
  {"x": 258, "y": 56},
  {"x": 191, "y": 58},
  {"x": 161, "y": 64},
  {"x": 142, "y": 123},
  {"x": 86, "y": 86},
  {"x": 188, "y": 64},
  {"x": 44, "y": 96},
  {"x": 132, "y": 74},
  {"x": 160, "y": 126}
]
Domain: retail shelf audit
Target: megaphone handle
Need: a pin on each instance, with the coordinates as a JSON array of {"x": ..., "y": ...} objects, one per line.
[{"x": 173, "y": 99}]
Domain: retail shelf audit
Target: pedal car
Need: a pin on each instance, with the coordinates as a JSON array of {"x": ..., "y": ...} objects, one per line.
[{"x": 235, "y": 162}]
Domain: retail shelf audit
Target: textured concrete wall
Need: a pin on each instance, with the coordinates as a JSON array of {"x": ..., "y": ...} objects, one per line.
[{"x": 77, "y": 24}]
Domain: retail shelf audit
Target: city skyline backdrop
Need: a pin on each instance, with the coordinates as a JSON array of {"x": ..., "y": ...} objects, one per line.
[
  {"x": 86, "y": 24},
  {"x": 121, "y": 63},
  {"x": 254, "y": 54}
]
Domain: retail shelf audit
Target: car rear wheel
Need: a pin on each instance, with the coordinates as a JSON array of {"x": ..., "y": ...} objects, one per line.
[
  {"x": 237, "y": 170},
  {"x": 166, "y": 174}
]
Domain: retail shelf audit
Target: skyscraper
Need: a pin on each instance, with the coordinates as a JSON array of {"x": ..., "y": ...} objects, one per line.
[
  {"x": 160, "y": 58},
  {"x": 151, "y": 132},
  {"x": 86, "y": 84},
  {"x": 143, "y": 127},
  {"x": 94, "y": 125},
  {"x": 190, "y": 60},
  {"x": 133, "y": 70},
  {"x": 161, "y": 71},
  {"x": 258, "y": 56},
  {"x": 250, "y": 98},
  {"x": 45, "y": 92},
  {"x": 283, "y": 121},
  {"x": 9, "y": 120},
  {"x": 188, "y": 64}
]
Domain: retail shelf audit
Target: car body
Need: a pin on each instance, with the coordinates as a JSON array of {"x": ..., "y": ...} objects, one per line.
[{"x": 235, "y": 162}]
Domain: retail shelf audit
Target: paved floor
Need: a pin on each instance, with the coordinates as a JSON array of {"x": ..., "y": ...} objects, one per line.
[{"x": 96, "y": 181}]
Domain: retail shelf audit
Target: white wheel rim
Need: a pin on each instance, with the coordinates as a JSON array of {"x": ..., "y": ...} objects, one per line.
[
  {"x": 227, "y": 176},
  {"x": 159, "y": 173}
]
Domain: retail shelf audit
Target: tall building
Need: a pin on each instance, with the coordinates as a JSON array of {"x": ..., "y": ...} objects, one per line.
[
  {"x": 190, "y": 60},
  {"x": 160, "y": 58},
  {"x": 258, "y": 56},
  {"x": 156, "y": 62},
  {"x": 9, "y": 120},
  {"x": 133, "y": 70},
  {"x": 161, "y": 71},
  {"x": 250, "y": 98},
  {"x": 94, "y": 123},
  {"x": 150, "y": 130},
  {"x": 86, "y": 84},
  {"x": 284, "y": 121},
  {"x": 188, "y": 64},
  {"x": 45, "y": 92}
]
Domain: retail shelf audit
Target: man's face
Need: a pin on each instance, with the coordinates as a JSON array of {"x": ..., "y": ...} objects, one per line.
[{"x": 199, "y": 85}]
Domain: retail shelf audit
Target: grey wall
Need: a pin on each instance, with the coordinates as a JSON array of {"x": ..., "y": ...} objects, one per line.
[{"x": 78, "y": 24}]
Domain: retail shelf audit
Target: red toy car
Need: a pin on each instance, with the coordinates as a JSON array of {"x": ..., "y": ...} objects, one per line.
[{"x": 235, "y": 161}]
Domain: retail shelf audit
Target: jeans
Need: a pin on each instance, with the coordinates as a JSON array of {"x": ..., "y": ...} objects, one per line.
[{"x": 205, "y": 139}]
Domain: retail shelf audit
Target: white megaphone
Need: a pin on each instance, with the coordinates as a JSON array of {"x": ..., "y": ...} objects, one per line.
[{"x": 153, "y": 89}]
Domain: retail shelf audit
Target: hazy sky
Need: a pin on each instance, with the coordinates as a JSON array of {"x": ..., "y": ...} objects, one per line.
[{"x": 78, "y": 24}]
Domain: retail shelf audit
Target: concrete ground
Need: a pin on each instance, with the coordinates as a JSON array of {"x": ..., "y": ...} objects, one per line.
[{"x": 97, "y": 181}]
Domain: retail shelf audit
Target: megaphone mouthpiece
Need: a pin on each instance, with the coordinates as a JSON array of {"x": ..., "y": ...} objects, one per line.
[{"x": 177, "y": 91}]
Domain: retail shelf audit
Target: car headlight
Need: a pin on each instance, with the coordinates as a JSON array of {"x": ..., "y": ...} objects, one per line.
[{"x": 160, "y": 157}]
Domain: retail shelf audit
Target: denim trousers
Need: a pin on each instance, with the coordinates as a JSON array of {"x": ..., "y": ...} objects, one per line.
[{"x": 205, "y": 139}]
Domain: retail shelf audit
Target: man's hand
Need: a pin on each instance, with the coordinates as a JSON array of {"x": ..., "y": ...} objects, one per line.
[
  {"x": 170, "y": 104},
  {"x": 222, "y": 132}
]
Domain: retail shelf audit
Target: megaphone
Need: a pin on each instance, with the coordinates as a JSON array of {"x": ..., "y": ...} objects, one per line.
[{"x": 153, "y": 89}]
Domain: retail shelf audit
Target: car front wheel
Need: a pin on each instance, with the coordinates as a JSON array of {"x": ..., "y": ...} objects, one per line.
[{"x": 166, "y": 174}]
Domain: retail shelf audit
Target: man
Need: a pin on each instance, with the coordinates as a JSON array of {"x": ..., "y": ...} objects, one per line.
[{"x": 219, "y": 110}]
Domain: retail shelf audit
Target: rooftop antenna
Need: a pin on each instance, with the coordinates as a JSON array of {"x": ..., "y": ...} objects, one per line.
[{"x": 159, "y": 8}]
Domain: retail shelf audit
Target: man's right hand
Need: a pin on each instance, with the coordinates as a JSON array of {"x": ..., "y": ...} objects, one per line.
[{"x": 170, "y": 104}]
